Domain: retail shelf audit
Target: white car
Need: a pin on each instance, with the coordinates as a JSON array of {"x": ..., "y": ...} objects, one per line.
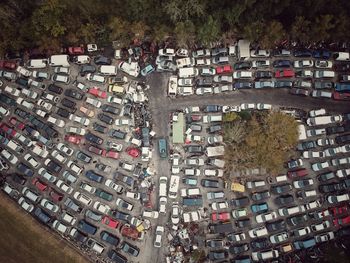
[
  {"x": 124, "y": 204},
  {"x": 158, "y": 236},
  {"x": 24, "y": 103},
  {"x": 60, "y": 78},
  {"x": 82, "y": 120},
  {"x": 311, "y": 154},
  {"x": 58, "y": 122},
  {"x": 223, "y": 79},
  {"x": 25, "y": 205},
  {"x": 265, "y": 255},
  {"x": 75, "y": 168},
  {"x": 30, "y": 93},
  {"x": 41, "y": 113},
  {"x": 300, "y": 183},
  {"x": 162, "y": 204},
  {"x": 133, "y": 68},
  {"x": 331, "y": 151},
  {"x": 94, "y": 102},
  {"x": 214, "y": 172},
  {"x": 62, "y": 70},
  {"x": 115, "y": 100},
  {"x": 258, "y": 232},
  {"x": 259, "y": 53},
  {"x": 247, "y": 106},
  {"x": 204, "y": 91},
  {"x": 49, "y": 205},
  {"x": 40, "y": 150},
  {"x": 47, "y": 175},
  {"x": 303, "y": 63},
  {"x": 266, "y": 217},
  {"x": 87, "y": 187},
  {"x": 203, "y": 62},
  {"x": 325, "y": 142},
  {"x": 227, "y": 108},
  {"x": 194, "y": 161},
  {"x": 175, "y": 213},
  {"x": 57, "y": 225},
  {"x": 13, "y": 91},
  {"x": 319, "y": 112},
  {"x": 320, "y": 226},
  {"x": 279, "y": 237},
  {"x": 238, "y": 213},
  {"x": 242, "y": 75},
  {"x": 82, "y": 198},
  {"x": 64, "y": 187},
  {"x": 324, "y": 64},
  {"x": 222, "y": 88},
  {"x": 51, "y": 97},
  {"x": 185, "y": 82},
  {"x": 166, "y": 52},
  {"x": 76, "y": 130},
  {"x": 219, "y": 205},
  {"x": 40, "y": 75},
  {"x": 302, "y": 231},
  {"x": 324, "y": 237},
  {"x": 31, "y": 160},
  {"x": 263, "y": 106},
  {"x": 151, "y": 214},
  {"x": 81, "y": 59},
  {"x": 65, "y": 149},
  {"x": 116, "y": 187},
  {"x": 237, "y": 237},
  {"x": 103, "y": 208},
  {"x": 9, "y": 156},
  {"x": 319, "y": 166},
  {"x": 132, "y": 195},
  {"x": 58, "y": 156},
  {"x": 335, "y": 199},
  {"x": 342, "y": 173}
]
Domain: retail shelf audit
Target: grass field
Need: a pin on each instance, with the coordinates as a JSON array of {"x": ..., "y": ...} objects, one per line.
[{"x": 24, "y": 240}]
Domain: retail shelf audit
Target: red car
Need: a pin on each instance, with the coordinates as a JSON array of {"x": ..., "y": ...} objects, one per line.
[
  {"x": 297, "y": 173},
  {"x": 8, "y": 64},
  {"x": 341, "y": 221},
  {"x": 96, "y": 150},
  {"x": 73, "y": 139},
  {"x": 17, "y": 124},
  {"x": 338, "y": 210},
  {"x": 40, "y": 185},
  {"x": 284, "y": 73},
  {"x": 98, "y": 93},
  {"x": 341, "y": 96},
  {"x": 56, "y": 196},
  {"x": 224, "y": 216},
  {"x": 133, "y": 152},
  {"x": 7, "y": 129},
  {"x": 76, "y": 51},
  {"x": 227, "y": 69},
  {"x": 108, "y": 221},
  {"x": 112, "y": 154}
]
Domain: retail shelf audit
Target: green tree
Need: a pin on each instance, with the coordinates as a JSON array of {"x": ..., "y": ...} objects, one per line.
[
  {"x": 182, "y": 10},
  {"x": 184, "y": 32},
  {"x": 119, "y": 30},
  {"x": 300, "y": 30},
  {"x": 139, "y": 30},
  {"x": 209, "y": 31},
  {"x": 160, "y": 33},
  {"x": 274, "y": 33},
  {"x": 322, "y": 28},
  {"x": 254, "y": 31}
]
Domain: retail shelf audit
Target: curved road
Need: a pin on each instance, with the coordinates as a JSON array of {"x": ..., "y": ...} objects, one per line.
[{"x": 161, "y": 106}]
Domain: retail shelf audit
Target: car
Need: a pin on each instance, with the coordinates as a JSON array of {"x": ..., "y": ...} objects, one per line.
[
  {"x": 158, "y": 236},
  {"x": 110, "y": 222},
  {"x": 237, "y": 213},
  {"x": 276, "y": 225},
  {"x": 259, "y": 208},
  {"x": 219, "y": 205},
  {"x": 215, "y": 243},
  {"x": 284, "y": 73},
  {"x": 73, "y": 94},
  {"x": 281, "y": 189},
  {"x": 239, "y": 248},
  {"x": 305, "y": 244},
  {"x": 263, "y": 84},
  {"x": 292, "y": 164},
  {"x": 320, "y": 166},
  {"x": 217, "y": 255},
  {"x": 124, "y": 204},
  {"x": 258, "y": 232},
  {"x": 260, "y": 243},
  {"x": 284, "y": 200},
  {"x": 23, "y": 168},
  {"x": 220, "y": 216},
  {"x": 259, "y": 196},
  {"x": 342, "y": 221},
  {"x": 98, "y": 93},
  {"x": 73, "y": 139},
  {"x": 240, "y": 202},
  {"x": 93, "y": 138},
  {"x": 279, "y": 237},
  {"x": 303, "y": 183},
  {"x": 31, "y": 160},
  {"x": 320, "y": 226},
  {"x": 103, "y": 208},
  {"x": 335, "y": 199},
  {"x": 297, "y": 173},
  {"x": 324, "y": 237},
  {"x": 297, "y": 220},
  {"x": 47, "y": 204},
  {"x": 306, "y": 145},
  {"x": 109, "y": 238}
]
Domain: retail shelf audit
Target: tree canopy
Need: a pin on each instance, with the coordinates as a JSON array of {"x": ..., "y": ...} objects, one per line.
[
  {"x": 264, "y": 141},
  {"x": 51, "y": 23}
]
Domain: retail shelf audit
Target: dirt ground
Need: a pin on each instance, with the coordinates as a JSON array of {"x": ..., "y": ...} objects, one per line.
[{"x": 25, "y": 240}]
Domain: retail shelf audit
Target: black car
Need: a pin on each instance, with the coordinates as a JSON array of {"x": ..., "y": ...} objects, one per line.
[
  {"x": 263, "y": 74},
  {"x": 302, "y": 53},
  {"x": 85, "y": 69},
  {"x": 323, "y": 85},
  {"x": 22, "y": 81},
  {"x": 298, "y": 220},
  {"x": 259, "y": 244},
  {"x": 283, "y": 84},
  {"x": 207, "y": 81},
  {"x": 130, "y": 249},
  {"x": 243, "y": 223},
  {"x": 53, "y": 166},
  {"x": 18, "y": 178},
  {"x": 105, "y": 118},
  {"x": 343, "y": 232},
  {"x": 55, "y": 89},
  {"x": 118, "y": 134},
  {"x": 216, "y": 128},
  {"x": 110, "y": 109},
  {"x": 281, "y": 189},
  {"x": 42, "y": 215},
  {"x": 242, "y": 65},
  {"x": 329, "y": 188},
  {"x": 127, "y": 110},
  {"x": 308, "y": 145},
  {"x": 335, "y": 129},
  {"x": 7, "y": 100},
  {"x": 102, "y": 60},
  {"x": 99, "y": 128},
  {"x": 259, "y": 196},
  {"x": 276, "y": 225},
  {"x": 240, "y": 202},
  {"x": 243, "y": 85},
  {"x": 25, "y": 169},
  {"x": 212, "y": 108},
  {"x": 68, "y": 103},
  {"x": 239, "y": 248},
  {"x": 284, "y": 200},
  {"x": 195, "y": 149},
  {"x": 80, "y": 236},
  {"x": 120, "y": 215},
  {"x": 21, "y": 113},
  {"x": 63, "y": 113},
  {"x": 282, "y": 63},
  {"x": 109, "y": 238},
  {"x": 342, "y": 139},
  {"x": 84, "y": 157},
  {"x": 215, "y": 243},
  {"x": 93, "y": 138},
  {"x": 326, "y": 176},
  {"x": 73, "y": 94},
  {"x": 208, "y": 183},
  {"x": 216, "y": 255},
  {"x": 128, "y": 180},
  {"x": 116, "y": 257},
  {"x": 301, "y": 92}
]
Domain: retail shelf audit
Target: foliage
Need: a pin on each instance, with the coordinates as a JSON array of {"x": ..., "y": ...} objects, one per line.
[
  {"x": 230, "y": 117},
  {"x": 184, "y": 32},
  {"x": 209, "y": 31},
  {"x": 265, "y": 141}
]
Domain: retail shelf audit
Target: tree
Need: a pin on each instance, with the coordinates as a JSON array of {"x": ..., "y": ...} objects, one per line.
[
  {"x": 182, "y": 10},
  {"x": 209, "y": 31},
  {"x": 300, "y": 30},
  {"x": 273, "y": 34},
  {"x": 139, "y": 29},
  {"x": 254, "y": 31},
  {"x": 160, "y": 33},
  {"x": 184, "y": 32},
  {"x": 119, "y": 30},
  {"x": 322, "y": 28}
]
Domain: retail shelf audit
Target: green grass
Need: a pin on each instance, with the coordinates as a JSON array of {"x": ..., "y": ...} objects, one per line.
[{"x": 24, "y": 240}]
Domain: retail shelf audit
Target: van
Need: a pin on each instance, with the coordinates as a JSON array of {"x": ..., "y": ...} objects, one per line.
[
  {"x": 188, "y": 72},
  {"x": 185, "y": 91},
  {"x": 190, "y": 192},
  {"x": 212, "y": 118},
  {"x": 59, "y": 61},
  {"x": 37, "y": 63},
  {"x": 174, "y": 186},
  {"x": 198, "y": 201},
  {"x": 108, "y": 70},
  {"x": 30, "y": 194},
  {"x": 163, "y": 186}
]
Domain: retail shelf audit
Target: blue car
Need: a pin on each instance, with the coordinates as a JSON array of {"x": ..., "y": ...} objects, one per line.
[
  {"x": 94, "y": 176},
  {"x": 25, "y": 169},
  {"x": 147, "y": 70},
  {"x": 282, "y": 63},
  {"x": 342, "y": 87},
  {"x": 325, "y": 54},
  {"x": 302, "y": 53},
  {"x": 259, "y": 208},
  {"x": 303, "y": 244}
]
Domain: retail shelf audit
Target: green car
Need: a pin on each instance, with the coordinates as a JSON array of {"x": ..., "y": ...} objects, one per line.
[
  {"x": 163, "y": 151},
  {"x": 103, "y": 194}
]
